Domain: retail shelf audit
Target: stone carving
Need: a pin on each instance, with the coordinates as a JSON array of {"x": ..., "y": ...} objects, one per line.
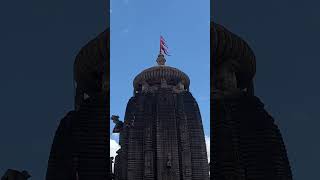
[
  {"x": 118, "y": 124},
  {"x": 148, "y": 168},
  {"x": 148, "y": 134},
  {"x": 180, "y": 85},
  {"x": 178, "y": 88},
  {"x": 169, "y": 163},
  {"x": 145, "y": 87},
  {"x": 164, "y": 83},
  {"x": 133, "y": 118}
]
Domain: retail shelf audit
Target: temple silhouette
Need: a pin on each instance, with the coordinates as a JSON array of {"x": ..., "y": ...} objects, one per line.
[
  {"x": 162, "y": 135},
  {"x": 80, "y": 147},
  {"x": 246, "y": 143}
]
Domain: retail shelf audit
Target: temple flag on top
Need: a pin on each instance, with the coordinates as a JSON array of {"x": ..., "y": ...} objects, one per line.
[{"x": 163, "y": 46}]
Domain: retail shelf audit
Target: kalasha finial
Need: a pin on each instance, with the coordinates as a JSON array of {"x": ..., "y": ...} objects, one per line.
[{"x": 161, "y": 60}]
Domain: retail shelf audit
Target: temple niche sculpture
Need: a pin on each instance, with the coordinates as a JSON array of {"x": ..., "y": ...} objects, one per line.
[
  {"x": 80, "y": 147},
  {"x": 246, "y": 143},
  {"x": 162, "y": 135}
]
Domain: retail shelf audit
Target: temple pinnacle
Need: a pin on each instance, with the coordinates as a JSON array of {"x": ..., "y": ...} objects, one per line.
[{"x": 161, "y": 60}]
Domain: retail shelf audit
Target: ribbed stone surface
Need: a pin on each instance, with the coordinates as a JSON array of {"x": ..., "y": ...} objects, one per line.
[
  {"x": 246, "y": 142},
  {"x": 93, "y": 141},
  {"x": 167, "y": 139},
  {"x": 81, "y": 144}
]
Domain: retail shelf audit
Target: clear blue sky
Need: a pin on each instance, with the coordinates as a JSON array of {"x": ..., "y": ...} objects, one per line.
[{"x": 135, "y": 30}]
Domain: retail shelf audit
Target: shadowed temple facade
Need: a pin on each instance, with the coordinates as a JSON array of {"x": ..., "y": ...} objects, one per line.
[
  {"x": 80, "y": 146},
  {"x": 246, "y": 142},
  {"x": 161, "y": 136}
]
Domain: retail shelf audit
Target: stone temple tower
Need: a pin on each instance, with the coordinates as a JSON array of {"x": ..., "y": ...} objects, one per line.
[
  {"x": 162, "y": 135},
  {"x": 246, "y": 142},
  {"x": 79, "y": 149}
]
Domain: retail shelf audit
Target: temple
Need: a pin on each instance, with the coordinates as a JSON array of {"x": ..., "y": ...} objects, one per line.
[
  {"x": 246, "y": 142},
  {"x": 80, "y": 146},
  {"x": 162, "y": 135}
]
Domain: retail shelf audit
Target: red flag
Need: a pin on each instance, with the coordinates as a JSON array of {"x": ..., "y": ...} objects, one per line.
[
  {"x": 163, "y": 43},
  {"x": 163, "y": 46},
  {"x": 161, "y": 38}
]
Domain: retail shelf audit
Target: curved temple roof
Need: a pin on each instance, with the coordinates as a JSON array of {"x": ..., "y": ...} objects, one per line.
[
  {"x": 156, "y": 74},
  {"x": 93, "y": 58},
  {"x": 226, "y": 46},
  {"x": 90, "y": 68}
]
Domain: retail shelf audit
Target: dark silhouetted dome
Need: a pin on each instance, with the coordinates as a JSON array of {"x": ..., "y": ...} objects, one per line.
[
  {"x": 226, "y": 46},
  {"x": 92, "y": 62},
  {"x": 90, "y": 68},
  {"x": 154, "y": 75}
]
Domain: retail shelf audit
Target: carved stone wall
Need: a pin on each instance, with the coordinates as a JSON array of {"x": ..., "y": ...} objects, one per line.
[
  {"x": 247, "y": 144},
  {"x": 166, "y": 141}
]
